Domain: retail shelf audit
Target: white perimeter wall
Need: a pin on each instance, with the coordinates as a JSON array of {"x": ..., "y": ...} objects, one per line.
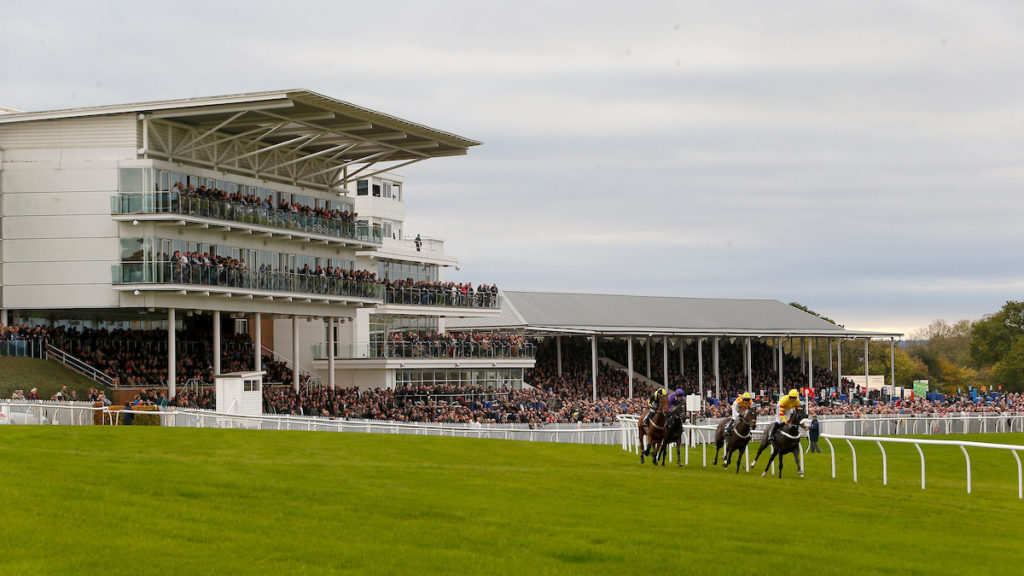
[{"x": 59, "y": 241}]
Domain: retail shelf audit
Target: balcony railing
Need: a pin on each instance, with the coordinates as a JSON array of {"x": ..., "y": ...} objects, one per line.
[
  {"x": 429, "y": 349},
  {"x": 440, "y": 296},
  {"x": 185, "y": 205},
  {"x": 221, "y": 277}
]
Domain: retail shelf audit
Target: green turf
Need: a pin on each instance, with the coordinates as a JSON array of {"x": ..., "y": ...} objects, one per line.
[
  {"x": 94, "y": 500},
  {"x": 46, "y": 375}
]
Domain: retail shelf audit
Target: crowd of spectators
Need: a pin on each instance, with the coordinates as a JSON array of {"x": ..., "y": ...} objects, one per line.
[
  {"x": 205, "y": 269},
  {"x": 138, "y": 358},
  {"x": 9, "y": 333},
  {"x": 413, "y": 344},
  {"x": 448, "y": 404},
  {"x": 182, "y": 193}
]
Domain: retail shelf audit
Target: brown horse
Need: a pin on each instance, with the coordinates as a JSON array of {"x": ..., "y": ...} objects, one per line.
[
  {"x": 654, "y": 431},
  {"x": 787, "y": 439},
  {"x": 737, "y": 441}
]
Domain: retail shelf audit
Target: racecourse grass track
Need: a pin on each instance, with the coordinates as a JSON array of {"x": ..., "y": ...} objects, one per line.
[{"x": 105, "y": 500}]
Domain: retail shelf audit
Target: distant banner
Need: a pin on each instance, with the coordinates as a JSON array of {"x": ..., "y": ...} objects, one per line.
[{"x": 920, "y": 387}]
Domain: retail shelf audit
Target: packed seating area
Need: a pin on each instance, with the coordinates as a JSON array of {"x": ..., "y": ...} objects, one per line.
[
  {"x": 138, "y": 358},
  {"x": 448, "y": 404}
]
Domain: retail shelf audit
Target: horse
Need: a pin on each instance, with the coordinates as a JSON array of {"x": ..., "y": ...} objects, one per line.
[
  {"x": 787, "y": 439},
  {"x": 654, "y": 431},
  {"x": 674, "y": 432},
  {"x": 738, "y": 438}
]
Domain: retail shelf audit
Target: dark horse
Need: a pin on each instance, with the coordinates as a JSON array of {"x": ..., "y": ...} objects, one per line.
[
  {"x": 787, "y": 439},
  {"x": 654, "y": 431},
  {"x": 673, "y": 432},
  {"x": 737, "y": 440}
]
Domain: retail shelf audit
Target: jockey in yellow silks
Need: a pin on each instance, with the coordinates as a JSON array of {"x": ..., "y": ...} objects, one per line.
[
  {"x": 740, "y": 408},
  {"x": 787, "y": 405}
]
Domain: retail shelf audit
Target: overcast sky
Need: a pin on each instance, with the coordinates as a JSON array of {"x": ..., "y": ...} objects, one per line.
[{"x": 865, "y": 159}]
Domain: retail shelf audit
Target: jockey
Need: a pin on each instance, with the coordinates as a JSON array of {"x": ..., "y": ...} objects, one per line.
[
  {"x": 676, "y": 398},
  {"x": 740, "y": 408},
  {"x": 787, "y": 405},
  {"x": 652, "y": 404}
]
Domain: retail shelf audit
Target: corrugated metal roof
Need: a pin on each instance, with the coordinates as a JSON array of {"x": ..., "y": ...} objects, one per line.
[{"x": 623, "y": 314}]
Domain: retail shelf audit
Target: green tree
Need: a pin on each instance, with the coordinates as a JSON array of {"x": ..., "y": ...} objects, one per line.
[
  {"x": 992, "y": 338},
  {"x": 1009, "y": 370}
]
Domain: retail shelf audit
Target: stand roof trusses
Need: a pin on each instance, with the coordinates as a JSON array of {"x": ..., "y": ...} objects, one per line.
[{"x": 296, "y": 137}]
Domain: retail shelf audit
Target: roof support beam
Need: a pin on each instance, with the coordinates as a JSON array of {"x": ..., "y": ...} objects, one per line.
[
  {"x": 185, "y": 147},
  {"x": 206, "y": 110}
]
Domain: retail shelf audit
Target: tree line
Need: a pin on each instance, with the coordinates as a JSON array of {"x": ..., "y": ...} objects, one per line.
[{"x": 954, "y": 356}]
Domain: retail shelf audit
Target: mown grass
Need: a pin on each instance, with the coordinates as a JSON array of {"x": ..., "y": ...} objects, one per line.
[
  {"x": 46, "y": 375},
  {"x": 95, "y": 500}
]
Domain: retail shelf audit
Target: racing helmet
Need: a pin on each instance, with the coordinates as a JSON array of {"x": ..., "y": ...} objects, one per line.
[
  {"x": 747, "y": 396},
  {"x": 793, "y": 393}
]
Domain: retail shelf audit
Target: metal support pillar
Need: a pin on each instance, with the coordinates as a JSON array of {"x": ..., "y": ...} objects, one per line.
[
  {"x": 257, "y": 344},
  {"x": 718, "y": 378},
  {"x": 750, "y": 369},
  {"x": 664, "y": 361},
  {"x": 810, "y": 362},
  {"x": 558, "y": 352},
  {"x": 892, "y": 363},
  {"x": 295, "y": 353},
  {"x": 171, "y": 356},
  {"x": 647, "y": 346},
  {"x": 700, "y": 368},
  {"x": 782, "y": 356},
  {"x": 866, "y": 372},
  {"x": 839, "y": 365},
  {"x": 216, "y": 342},
  {"x": 682, "y": 361},
  {"x": 593, "y": 359},
  {"x": 629, "y": 363},
  {"x": 330, "y": 352}
]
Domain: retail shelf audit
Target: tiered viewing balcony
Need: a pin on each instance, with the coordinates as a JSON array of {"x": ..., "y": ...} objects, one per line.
[
  {"x": 197, "y": 210},
  {"x": 428, "y": 350},
  {"x": 244, "y": 280}
]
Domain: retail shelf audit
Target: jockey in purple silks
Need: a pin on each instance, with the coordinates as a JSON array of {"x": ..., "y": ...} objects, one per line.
[{"x": 676, "y": 398}]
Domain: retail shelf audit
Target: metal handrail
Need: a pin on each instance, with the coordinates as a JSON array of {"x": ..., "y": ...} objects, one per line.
[
  {"x": 80, "y": 366},
  {"x": 166, "y": 272},
  {"x": 310, "y": 376},
  {"x": 189, "y": 205},
  {"x": 428, "y": 349}
]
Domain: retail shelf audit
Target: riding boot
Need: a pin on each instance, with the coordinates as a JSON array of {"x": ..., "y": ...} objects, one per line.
[
  {"x": 728, "y": 428},
  {"x": 771, "y": 435}
]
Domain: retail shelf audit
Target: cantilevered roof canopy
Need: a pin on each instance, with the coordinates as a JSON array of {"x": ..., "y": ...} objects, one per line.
[
  {"x": 609, "y": 315},
  {"x": 236, "y": 132}
]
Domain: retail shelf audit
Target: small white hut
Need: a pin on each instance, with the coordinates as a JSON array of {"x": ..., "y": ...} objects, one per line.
[{"x": 240, "y": 393}]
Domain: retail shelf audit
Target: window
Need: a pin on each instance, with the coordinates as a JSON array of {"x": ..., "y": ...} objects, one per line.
[
  {"x": 396, "y": 191},
  {"x": 376, "y": 190},
  {"x": 362, "y": 187},
  {"x": 387, "y": 189},
  {"x": 251, "y": 385}
]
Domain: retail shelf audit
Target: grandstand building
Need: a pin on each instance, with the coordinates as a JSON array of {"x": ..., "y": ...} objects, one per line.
[{"x": 278, "y": 214}]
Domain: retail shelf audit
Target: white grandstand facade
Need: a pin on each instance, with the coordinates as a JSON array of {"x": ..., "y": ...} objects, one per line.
[{"x": 101, "y": 226}]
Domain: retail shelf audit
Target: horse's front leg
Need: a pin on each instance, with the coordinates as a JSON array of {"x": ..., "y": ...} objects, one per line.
[
  {"x": 679, "y": 460},
  {"x": 767, "y": 466},
  {"x": 796, "y": 458}
]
